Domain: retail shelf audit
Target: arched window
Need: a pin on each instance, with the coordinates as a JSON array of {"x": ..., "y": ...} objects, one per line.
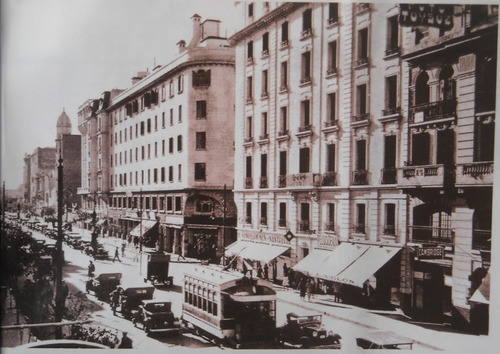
[
  {"x": 422, "y": 88},
  {"x": 446, "y": 84}
]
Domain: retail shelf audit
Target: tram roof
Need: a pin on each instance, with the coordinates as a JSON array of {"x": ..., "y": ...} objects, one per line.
[{"x": 213, "y": 274}]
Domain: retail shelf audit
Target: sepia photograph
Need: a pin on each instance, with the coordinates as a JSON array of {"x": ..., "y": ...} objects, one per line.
[{"x": 264, "y": 175}]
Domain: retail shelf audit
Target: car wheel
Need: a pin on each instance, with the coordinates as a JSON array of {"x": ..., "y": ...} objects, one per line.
[
  {"x": 147, "y": 329},
  {"x": 304, "y": 342}
]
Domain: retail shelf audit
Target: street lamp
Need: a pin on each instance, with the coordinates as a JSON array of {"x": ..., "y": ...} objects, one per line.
[
  {"x": 224, "y": 209},
  {"x": 94, "y": 231}
]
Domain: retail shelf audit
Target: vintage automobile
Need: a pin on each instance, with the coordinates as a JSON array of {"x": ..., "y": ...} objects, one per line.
[
  {"x": 157, "y": 316},
  {"x": 156, "y": 266},
  {"x": 101, "y": 253},
  {"x": 131, "y": 299},
  {"x": 307, "y": 331},
  {"x": 383, "y": 340},
  {"x": 103, "y": 284}
]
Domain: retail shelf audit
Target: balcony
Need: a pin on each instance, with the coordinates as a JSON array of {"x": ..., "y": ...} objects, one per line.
[
  {"x": 263, "y": 182},
  {"x": 306, "y": 33},
  {"x": 361, "y": 117},
  {"x": 248, "y": 220},
  {"x": 389, "y": 175},
  {"x": 305, "y": 80},
  {"x": 481, "y": 239},
  {"x": 362, "y": 7},
  {"x": 305, "y": 128},
  {"x": 248, "y": 141},
  {"x": 265, "y": 53},
  {"x": 390, "y": 230},
  {"x": 361, "y": 62},
  {"x": 475, "y": 173},
  {"x": 250, "y": 61},
  {"x": 329, "y": 226},
  {"x": 304, "y": 226},
  {"x": 282, "y": 222},
  {"x": 391, "y": 111},
  {"x": 263, "y": 221},
  {"x": 432, "y": 111},
  {"x": 248, "y": 183},
  {"x": 330, "y": 178},
  {"x": 431, "y": 234},
  {"x": 331, "y": 71},
  {"x": 359, "y": 229},
  {"x": 283, "y": 89},
  {"x": 392, "y": 51},
  {"x": 284, "y": 44},
  {"x": 249, "y": 100},
  {"x": 263, "y": 139},
  {"x": 332, "y": 20},
  {"x": 264, "y": 95},
  {"x": 303, "y": 179},
  {"x": 282, "y": 181},
  {"x": 359, "y": 177},
  {"x": 82, "y": 190},
  {"x": 427, "y": 175}
]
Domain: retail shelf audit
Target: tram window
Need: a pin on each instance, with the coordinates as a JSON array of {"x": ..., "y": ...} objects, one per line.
[
  {"x": 204, "y": 304},
  {"x": 199, "y": 297},
  {"x": 215, "y": 309},
  {"x": 186, "y": 296},
  {"x": 209, "y": 307}
]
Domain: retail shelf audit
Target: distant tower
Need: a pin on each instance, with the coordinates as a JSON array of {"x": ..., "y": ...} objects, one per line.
[{"x": 63, "y": 128}]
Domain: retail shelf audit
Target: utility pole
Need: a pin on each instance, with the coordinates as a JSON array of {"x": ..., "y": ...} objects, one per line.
[
  {"x": 59, "y": 310},
  {"x": 224, "y": 227}
]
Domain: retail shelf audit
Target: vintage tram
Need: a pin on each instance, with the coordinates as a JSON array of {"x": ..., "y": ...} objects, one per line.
[{"x": 229, "y": 308}]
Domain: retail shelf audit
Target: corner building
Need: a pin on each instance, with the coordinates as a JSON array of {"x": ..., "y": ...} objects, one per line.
[
  {"x": 319, "y": 136},
  {"x": 171, "y": 150}
]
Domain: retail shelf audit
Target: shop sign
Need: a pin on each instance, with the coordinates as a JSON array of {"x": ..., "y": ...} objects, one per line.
[
  {"x": 302, "y": 179},
  {"x": 430, "y": 253},
  {"x": 422, "y": 275},
  {"x": 328, "y": 241},
  {"x": 432, "y": 15},
  {"x": 264, "y": 237}
]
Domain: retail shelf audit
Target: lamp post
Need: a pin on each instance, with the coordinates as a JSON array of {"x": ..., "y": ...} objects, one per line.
[
  {"x": 224, "y": 208},
  {"x": 59, "y": 309},
  {"x": 94, "y": 231}
]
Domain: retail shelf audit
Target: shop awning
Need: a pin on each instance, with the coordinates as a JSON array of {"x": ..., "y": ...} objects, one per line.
[
  {"x": 101, "y": 222},
  {"x": 255, "y": 251},
  {"x": 312, "y": 262},
  {"x": 482, "y": 294},
  {"x": 146, "y": 226},
  {"x": 367, "y": 264},
  {"x": 341, "y": 258}
]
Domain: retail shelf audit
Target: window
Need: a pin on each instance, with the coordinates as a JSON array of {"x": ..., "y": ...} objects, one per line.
[
  {"x": 264, "y": 84},
  {"x": 179, "y": 172},
  {"x": 162, "y": 174},
  {"x": 361, "y": 154},
  {"x": 330, "y": 217},
  {"x": 306, "y": 67},
  {"x": 171, "y": 88},
  {"x": 361, "y": 106},
  {"x": 282, "y": 215},
  {"x": 283, "y": 121},
  {"x": 446, "y": 84},
  {"x": 136, "y": 154},
  {"x": 331, "y": 109},
  {"x": 486, "y": 83},
  {"x": 362, "y": 47},
  {"x": 304, "y": 224},
  {"x": 332, "y": 58},
  {"x": 284, "y": 33},
  {"x": 149, "y": 125},
  {"x": 170, "y": 203},
  {"x": 265, "y": 44},
  {"x": 284, "y": 76},
  {"x": 248, "y": 215},
  {"x": 304, "y": 160},
  {"x": 156, "y": 149},
  {"x": 250, "y": 51},
  {"x": 249, "y": 88},
  {"x": 305, "y": 123},
  {"x": 249, "y": 166},
  {"x": 263, "y": 213},
  {"x": 149, "y": 151},
  {"x": 263, "y": 171},
  {"x": 143, "y": 152},
  {"x": 179, "y": 143},
  {"x": 392, "y": 35},
  {"x": 484, "y": 140},
  {"x": 149, "y": 176},
  {"x": 390, "y": 219},
  {"x": 171, "y": 116},
  {"x": 391, "y": 94},
  {"x": 249, "y": 128},
  {"x": 170, "y": 173},
  {"x": 163, "y": 121},
  {"x": 330, "y": 157},
  {"x": 250, "y": 10},
  {"x": 201, "y": 78},
  {"x": 180, "y": 113},
  {"x": 359, "y": 227},
  {"x": 171, "y": 145},
  {"x": 283, "y": 163},
  {"x": 201, "y": 109},
  {"x": 389, "y": 170},
  {"x": 333, "y": 13},
  {"x": 306, "y": 23},
  {"x": 163, "y": 147},
  {"x": 422, "y": 90},
  {"x": 201, "y": 140},
  {"x": 420, "y": 149},
  {"x": 163, "y": 92},
  {"x": 155, "y": 175},
  {"x": 263, "y": 126},
  {"x": 178, "y": 203},
  {"x": 199, "y": 171},
  {"x": 180, "y": 83}
]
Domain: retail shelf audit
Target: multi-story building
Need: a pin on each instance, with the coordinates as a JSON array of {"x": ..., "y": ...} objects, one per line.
[
  {"x": 345, "y": 124},
  {"x": 171, "y": 150},
  {"x": 449, "y": 98},
  {"x": 39, "y": 176},
  {"x": 68, "y": 147}
]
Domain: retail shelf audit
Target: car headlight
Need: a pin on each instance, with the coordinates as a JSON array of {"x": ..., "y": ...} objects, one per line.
[
  {"x": 315, "y": 334},
  {"x": 330, "y": 333}
]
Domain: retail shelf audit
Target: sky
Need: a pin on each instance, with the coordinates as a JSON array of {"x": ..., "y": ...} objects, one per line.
[{"x": 56, "y": 54}]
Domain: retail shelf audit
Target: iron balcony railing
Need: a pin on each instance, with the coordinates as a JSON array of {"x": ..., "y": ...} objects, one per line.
[
  {"x": 330, "y": 226},
  {"x": 360, "y": 117},
  {"x": 329, "y": 178},
  {"x": 477, "y": 169},
  {"x": 248, "y": 183},
  {"x": 425, "y": 112},
  {"x": 263, "y": 221},
  {"x": 282, "y": 222},
  {"x": 359, "y": 177},
  {"x": 481, "y": 239},
  {"x": 389, "y": 111},
  {"x": 359, "y": 228},
  {"x": 431, "y": 234},
  {"x": 282, "y": 181},
  {"x": 263, "y": 182},
  {"x": 390, "y": 230},
  {"x": 304, "y": 225},
  {"x": 389, "y": 176}
]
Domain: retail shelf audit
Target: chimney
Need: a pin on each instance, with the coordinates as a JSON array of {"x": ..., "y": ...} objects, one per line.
[
  {"x": 182, "y": 46},
  {"x": 140, "y": 75},
  {"x": 196, "y": 30}
]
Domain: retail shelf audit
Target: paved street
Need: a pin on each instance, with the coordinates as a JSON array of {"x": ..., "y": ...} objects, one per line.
[{"x": 348, "y": 321}]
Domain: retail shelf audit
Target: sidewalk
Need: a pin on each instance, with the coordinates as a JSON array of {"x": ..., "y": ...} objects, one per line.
[
  {"x": 13, "y": 337},
  {"x": 428, "y": 338}
]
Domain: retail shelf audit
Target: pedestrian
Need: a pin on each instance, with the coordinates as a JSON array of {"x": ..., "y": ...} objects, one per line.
[
  {"x": 115, "y": 299},
  {"x": 136, "y": 255},
  {"x": 91, "y": 269},
  {"x": 259, "y": 271},
  {"x": 291, "y": 277},
  {"x": 178, "y": 249},
  {"x": 302, "y": 288},
  {"x": 245, "y": 269},
  {"x": 309, "y": 289},
  {"x": 116, "y": 255},
  {"x": 285, "y": 270},
  {"x": 266, "y": 272},
  {"x": 126, "y": 342},
  {"x": 123, "y": 250},
  {"x": 285, "y": 282}
]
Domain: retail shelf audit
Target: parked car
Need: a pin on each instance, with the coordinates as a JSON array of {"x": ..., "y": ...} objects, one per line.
[
  {"x": 383, "y": 340},
  {"x": 103, "y": 284},
  {"x": 131, "y": 299},
  {"x": 157, "y": 316},
  {"x": 307, "y": 331}
]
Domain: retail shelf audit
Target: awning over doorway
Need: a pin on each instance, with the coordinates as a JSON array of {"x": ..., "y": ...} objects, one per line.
[
  {"x": 340, "y": 259},
  {"x": 101, "y": 222},
  {"x": 482, "y": 294},
  {"x": 312, "y": 262},
  {"x": 366, "y": 265},
  {"x": 261, "y": 252},
  {"x": 146, "y": 226}
]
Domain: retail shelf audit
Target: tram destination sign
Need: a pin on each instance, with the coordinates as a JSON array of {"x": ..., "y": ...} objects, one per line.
[
  {"x": 432, "y": 15},
  {"x": 430, "y": 253}
]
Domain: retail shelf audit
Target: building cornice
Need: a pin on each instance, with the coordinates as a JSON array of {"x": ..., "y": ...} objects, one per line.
[{"x": 265, "y": 21}]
